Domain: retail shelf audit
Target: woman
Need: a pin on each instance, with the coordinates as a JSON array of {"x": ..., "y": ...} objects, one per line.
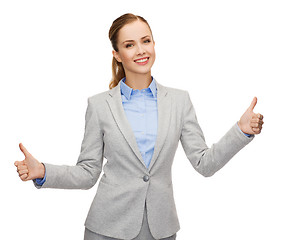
[{"x": 136, "y": 126}]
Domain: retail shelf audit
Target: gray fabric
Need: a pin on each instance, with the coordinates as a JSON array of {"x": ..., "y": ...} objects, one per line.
[
  {"x": 118, "y": 206},
  {"x": 144, "y": 233}
]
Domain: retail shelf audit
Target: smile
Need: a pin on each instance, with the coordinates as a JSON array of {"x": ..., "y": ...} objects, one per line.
[{"x": 142, "y": 61}]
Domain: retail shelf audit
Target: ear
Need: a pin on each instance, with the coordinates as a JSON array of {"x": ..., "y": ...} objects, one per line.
[{"x": 116, "y": 55}]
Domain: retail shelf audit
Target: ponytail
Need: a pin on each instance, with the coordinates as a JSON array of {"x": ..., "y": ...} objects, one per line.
[{"x": 118, "y": 73}]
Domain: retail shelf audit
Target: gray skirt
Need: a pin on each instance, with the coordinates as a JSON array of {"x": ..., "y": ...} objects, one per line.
[{"x": 143, "y": 235}]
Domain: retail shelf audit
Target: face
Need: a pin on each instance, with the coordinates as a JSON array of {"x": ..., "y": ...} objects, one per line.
[{"x": 135, "y": 48}]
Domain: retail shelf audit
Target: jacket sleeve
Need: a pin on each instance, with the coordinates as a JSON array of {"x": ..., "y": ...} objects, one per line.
[
  {"x": 206, "y": 160},
  {"x": 87, "y": 170}
]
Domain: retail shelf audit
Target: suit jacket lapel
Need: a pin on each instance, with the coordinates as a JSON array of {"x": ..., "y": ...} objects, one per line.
[{"x": 164, "y": 110}]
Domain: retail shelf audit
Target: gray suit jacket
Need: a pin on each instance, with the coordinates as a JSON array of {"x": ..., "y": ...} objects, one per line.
[{"x": 118, "y": 206}]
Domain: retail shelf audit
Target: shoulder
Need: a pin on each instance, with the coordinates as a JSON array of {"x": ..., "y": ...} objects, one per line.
[
  {"x": 97, "y": 102},
  {"x": 177, "y": 94},
  {"x": 176, "y": 91},
  {"x": 98, "y": 97}
]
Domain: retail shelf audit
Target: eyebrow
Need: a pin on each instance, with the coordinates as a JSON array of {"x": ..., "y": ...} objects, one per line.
[{"x": 133, "y": 40}]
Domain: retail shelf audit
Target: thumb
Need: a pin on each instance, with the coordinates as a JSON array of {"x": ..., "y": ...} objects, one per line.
[
  {"x": 253, "y": 103},
  {"x": 24, "y": 150}
]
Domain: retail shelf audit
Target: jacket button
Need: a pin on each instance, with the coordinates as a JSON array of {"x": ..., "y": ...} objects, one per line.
[{"x": 145, "y": 178}]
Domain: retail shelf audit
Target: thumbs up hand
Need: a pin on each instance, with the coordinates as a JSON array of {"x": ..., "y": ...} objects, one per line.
[
  {"x": 30, "y": 168},
  {"x": 250, "y": 122}
]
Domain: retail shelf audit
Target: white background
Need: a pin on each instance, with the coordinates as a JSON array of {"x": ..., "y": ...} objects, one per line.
[{"x": 55, "y": 54}]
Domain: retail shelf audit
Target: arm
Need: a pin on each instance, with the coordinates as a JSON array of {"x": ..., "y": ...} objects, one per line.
[
  {"x": 81, "y": 176},
  {"x": 206, "y": 160},
  {"x": 86, "y": 172}
]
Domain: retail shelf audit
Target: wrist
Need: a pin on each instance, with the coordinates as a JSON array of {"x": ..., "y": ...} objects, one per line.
[
  {"x": 239, "y": 125},
  {"x": 246, "y": 134},
  {"x": 41, "y": 170}
]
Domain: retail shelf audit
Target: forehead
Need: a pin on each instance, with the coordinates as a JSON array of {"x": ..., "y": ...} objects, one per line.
[{"x": 133, "y": 31}]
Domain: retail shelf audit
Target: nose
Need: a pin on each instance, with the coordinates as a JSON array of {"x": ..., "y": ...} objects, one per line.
[{"x": 140, "y": 49}]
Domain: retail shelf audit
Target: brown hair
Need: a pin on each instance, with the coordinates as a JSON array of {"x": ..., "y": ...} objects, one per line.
[{"x": 118, "y": 71}]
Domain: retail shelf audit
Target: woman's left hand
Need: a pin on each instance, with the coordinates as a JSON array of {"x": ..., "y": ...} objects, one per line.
[{"x": 250, "y": 122}]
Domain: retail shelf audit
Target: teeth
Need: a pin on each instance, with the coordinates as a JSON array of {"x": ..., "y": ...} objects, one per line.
[{"x": 142, "y": 60}]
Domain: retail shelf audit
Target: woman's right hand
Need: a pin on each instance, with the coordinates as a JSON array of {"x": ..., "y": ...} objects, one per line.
[{"x": 30, "y": 168}]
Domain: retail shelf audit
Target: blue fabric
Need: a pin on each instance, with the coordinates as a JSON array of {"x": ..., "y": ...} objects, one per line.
[{"x": 141, "y": 110}]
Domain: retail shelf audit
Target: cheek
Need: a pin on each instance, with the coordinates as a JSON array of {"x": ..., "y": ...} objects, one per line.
[
  {"x": 153, "y": 53},
  {"x": 151, "y": 50},
  {"x": 127, "y": 56}
]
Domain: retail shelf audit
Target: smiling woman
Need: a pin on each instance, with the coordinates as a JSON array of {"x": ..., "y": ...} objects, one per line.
[{"x": 136, "y": 125}]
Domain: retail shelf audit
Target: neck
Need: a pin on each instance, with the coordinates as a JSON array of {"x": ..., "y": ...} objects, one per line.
[{"x": 138, "y": 81}]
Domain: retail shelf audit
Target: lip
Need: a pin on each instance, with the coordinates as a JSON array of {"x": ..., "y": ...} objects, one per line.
[
  {"x": 140, "y": 58},
  {"x": 142, "y": 63}
]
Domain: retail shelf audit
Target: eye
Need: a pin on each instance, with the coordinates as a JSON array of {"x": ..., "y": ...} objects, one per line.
[
  {"x": 128, "y": 45},
  {"x": 147, "y": 41}
]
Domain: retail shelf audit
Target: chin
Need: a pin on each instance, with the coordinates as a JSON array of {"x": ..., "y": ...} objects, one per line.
[{"x": 140, "y": 71}]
